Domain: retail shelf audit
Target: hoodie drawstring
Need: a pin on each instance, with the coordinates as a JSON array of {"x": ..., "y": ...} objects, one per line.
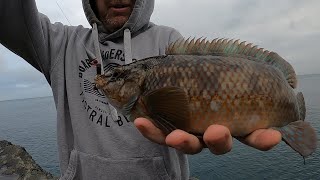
[
  {"x": 127, "y": 46},
  {"x": 97, "y": 46}
]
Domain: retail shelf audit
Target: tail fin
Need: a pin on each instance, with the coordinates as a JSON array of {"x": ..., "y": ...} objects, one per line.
[
  {"x": 302, "y": 106},
  {"x": 300, "y": 136}
]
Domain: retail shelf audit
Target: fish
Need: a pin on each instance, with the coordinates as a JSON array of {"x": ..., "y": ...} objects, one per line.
[{"x": 199, "y": 82}]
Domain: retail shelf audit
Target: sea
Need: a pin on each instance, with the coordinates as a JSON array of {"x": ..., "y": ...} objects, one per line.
[{"x": 31, "y": 123}]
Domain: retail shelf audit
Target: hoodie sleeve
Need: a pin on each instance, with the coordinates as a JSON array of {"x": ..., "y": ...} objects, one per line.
[
  {"x": 30, "y": 34},
  {"x": 174, "y": 36}
]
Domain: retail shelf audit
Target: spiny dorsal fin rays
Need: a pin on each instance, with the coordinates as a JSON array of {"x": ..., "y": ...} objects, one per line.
[
  {"x": 253, "y": 51},
  {"x": 198, "y": 41},
  {"x": 242, "y": 46},
  {"x": 214, "y": 45},
  {"x": 246, "y": 49},
  {"x": 231, "y": 48},
  {"x": 203, "y": 45},
  {"x": 190, "y": 46}
]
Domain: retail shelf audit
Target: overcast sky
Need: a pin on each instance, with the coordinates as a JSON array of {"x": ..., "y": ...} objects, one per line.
[{"x": 289, "y": 27}]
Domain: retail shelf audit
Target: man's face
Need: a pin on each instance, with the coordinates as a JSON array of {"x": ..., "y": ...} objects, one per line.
[{"x": 114, "y": 13}]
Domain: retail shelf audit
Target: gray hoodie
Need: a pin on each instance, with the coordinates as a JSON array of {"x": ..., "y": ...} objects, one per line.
[{"x": 92, "y": 143}]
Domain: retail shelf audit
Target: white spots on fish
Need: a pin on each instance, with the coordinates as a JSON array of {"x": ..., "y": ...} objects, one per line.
[
  {"x": 253, "y": 119},
  {"x": 214, "y": 106}
]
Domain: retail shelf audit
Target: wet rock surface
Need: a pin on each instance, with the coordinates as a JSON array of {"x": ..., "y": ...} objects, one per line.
[{"x": 17, "y": 164}]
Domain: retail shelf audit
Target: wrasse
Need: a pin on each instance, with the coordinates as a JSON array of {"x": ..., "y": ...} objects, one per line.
[{"x": 199, "y": 83}]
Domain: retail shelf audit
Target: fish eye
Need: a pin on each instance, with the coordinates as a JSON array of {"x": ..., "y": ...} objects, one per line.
[{"x": 115, "y": 74}]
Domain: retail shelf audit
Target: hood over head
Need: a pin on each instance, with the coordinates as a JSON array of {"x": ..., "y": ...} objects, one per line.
[{"x": 140, "y": 17}]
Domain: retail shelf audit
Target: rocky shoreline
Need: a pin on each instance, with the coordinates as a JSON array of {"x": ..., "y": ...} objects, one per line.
[{"x": 17, "y": 164}]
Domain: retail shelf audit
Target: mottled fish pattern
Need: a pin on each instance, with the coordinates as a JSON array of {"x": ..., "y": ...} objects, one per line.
[{"x": 200, "y": 83}]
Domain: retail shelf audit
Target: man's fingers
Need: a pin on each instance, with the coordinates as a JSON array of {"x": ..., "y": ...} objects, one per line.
[
  {"x": 263, "y": 139},
  {"x": 218, "y": 139},
  {"x": 183, "y": 141},
  {"x": 178, "y": 139},
  {"x": 150, "y": 131}
]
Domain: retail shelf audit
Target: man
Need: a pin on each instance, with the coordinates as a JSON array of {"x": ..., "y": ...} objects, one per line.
[{"x": 92, "y": 144}]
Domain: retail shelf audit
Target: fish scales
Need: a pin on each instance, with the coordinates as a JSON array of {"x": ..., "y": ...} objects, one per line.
[
  {"x": 226, "y": 91},
  {"x": 200, "y": 83}
]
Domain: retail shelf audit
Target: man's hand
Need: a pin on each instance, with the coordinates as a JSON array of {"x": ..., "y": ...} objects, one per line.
[{"x": 217, "y": 138}]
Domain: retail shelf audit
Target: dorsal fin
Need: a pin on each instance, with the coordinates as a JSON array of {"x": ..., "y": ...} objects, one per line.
[{"x": 233, "y": 48}]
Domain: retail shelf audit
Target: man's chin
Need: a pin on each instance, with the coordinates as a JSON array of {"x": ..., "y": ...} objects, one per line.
[{"x": 115, "y": 23}]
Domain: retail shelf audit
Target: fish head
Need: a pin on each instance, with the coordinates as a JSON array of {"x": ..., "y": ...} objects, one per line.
[{"x": 121, "y": 85}]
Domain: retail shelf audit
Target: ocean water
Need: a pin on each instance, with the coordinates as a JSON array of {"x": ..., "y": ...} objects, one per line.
[{"x": 31, "y": 123}]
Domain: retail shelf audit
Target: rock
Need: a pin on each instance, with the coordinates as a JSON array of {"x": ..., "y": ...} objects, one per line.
[{"x": 17, "y": 164}]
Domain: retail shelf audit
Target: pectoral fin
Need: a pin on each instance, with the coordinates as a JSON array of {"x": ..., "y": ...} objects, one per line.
[
  {"x": 300, "y": 136},
  {"x": 168, "y": 107}
]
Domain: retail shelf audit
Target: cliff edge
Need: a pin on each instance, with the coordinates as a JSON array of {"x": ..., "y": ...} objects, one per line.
[{"x": 17, "y": 164}]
